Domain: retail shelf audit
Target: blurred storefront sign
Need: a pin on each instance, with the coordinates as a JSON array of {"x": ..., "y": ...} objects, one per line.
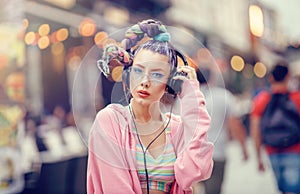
[
  {"x": 66, "y": 4},
  {"x": 227, "y": 20},
  {"x": 223, "y": 27}
]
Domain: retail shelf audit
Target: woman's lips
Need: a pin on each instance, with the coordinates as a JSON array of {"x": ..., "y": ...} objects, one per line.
[{"x": 143, "y": 93}]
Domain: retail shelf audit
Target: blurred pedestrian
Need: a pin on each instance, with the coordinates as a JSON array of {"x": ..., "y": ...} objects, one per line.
[
  {"x": 225, "y": 124},
  {"x": 284, "y": 157}
]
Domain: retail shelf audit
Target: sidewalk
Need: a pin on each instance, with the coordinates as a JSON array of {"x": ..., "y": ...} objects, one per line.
[{"x": 242, "y": 177}]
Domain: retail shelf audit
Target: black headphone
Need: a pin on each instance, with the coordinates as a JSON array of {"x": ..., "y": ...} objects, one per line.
[{"x": 173, "y": 86}]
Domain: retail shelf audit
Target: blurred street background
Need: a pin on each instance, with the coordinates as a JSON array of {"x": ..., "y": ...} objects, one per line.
[
  {"x": 50, "y": 87},
  {"x": 243, "y": 176}
]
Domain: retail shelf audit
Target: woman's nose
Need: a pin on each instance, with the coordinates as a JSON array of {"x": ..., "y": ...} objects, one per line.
[{"x": 145, "y": 82}]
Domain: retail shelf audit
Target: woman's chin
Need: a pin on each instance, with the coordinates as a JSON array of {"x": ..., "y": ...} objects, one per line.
[
  {"x": 145, "y": 101},
  {"x": 142, "y": 101}
]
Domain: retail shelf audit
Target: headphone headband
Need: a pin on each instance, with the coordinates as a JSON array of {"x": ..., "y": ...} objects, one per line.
[{"x": 178, "y": 53}]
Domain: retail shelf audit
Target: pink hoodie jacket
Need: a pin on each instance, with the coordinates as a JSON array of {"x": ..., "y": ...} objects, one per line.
[{"x": 111, "y": 163}]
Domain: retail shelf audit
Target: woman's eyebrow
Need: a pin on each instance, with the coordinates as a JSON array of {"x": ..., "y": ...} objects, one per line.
[
  {"x": 143, "y": 67},
  {"x": 139, "y": 65},
  {"x": 157, "y": 69}
]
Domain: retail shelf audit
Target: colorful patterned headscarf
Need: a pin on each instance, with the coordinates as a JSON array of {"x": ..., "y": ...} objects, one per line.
[{"x": 158, "y": 41}]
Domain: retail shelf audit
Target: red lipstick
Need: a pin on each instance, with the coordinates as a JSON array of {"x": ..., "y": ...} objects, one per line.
[{"x": 143, "y": 93}]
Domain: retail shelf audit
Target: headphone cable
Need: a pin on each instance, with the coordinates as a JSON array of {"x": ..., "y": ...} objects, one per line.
[{"x": 145, "y": 150}]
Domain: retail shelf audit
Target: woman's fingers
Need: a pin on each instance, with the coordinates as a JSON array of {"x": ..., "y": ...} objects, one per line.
[{"x": 186, "y": 72}]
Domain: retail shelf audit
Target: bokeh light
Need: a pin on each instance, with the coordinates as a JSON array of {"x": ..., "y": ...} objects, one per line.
[
  {"x": 53, "y": 37},
  {"x": 57, "y": 49},
  {"x": 87, "y": 27},
  {"x": 30, "y": 38},
  {"x": 44, "y": 30},
  {"x": 99, "y": 38},
  {"x": 256, "y": 20},
  {"x": 74, "y": 62},
  {"x": 62, "y": 34},
  {"x": 117, "y": 73},
  {"x": 237, "y": 63},
  {"x": 25, "y": 23},
  {"x": 260, "y": 69},
  {"x": 43, "y": 42}
]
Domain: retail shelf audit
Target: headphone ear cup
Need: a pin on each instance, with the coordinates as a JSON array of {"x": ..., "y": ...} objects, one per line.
[
  {"x": 169, "y": 87},
  {"x": 171, "y": 83},
  {"x": 174, "y": 86}
]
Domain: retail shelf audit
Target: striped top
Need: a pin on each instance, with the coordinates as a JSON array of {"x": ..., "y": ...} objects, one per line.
[{"x": 160, "y": 169}]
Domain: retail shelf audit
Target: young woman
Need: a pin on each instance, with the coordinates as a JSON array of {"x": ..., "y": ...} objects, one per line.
[{"x": 136, "y": 148}]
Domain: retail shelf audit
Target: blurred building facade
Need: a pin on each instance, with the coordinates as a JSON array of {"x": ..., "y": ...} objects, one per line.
[
  {"x": 12, "y": 95},
  {"x": 229, "y": 29}
]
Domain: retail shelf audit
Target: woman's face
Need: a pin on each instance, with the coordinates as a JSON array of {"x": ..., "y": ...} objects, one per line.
[{"x": 148, "y": 76}]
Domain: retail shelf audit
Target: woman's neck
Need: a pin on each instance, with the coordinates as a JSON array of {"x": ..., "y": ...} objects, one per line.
[{"x": 146, "y": 113}]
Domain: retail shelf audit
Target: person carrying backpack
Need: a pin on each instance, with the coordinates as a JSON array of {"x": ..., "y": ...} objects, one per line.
[{"x": 275, "y": 125}]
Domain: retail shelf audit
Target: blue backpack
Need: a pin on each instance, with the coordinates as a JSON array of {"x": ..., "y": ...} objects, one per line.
[{"x": 280, "y": 122}]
